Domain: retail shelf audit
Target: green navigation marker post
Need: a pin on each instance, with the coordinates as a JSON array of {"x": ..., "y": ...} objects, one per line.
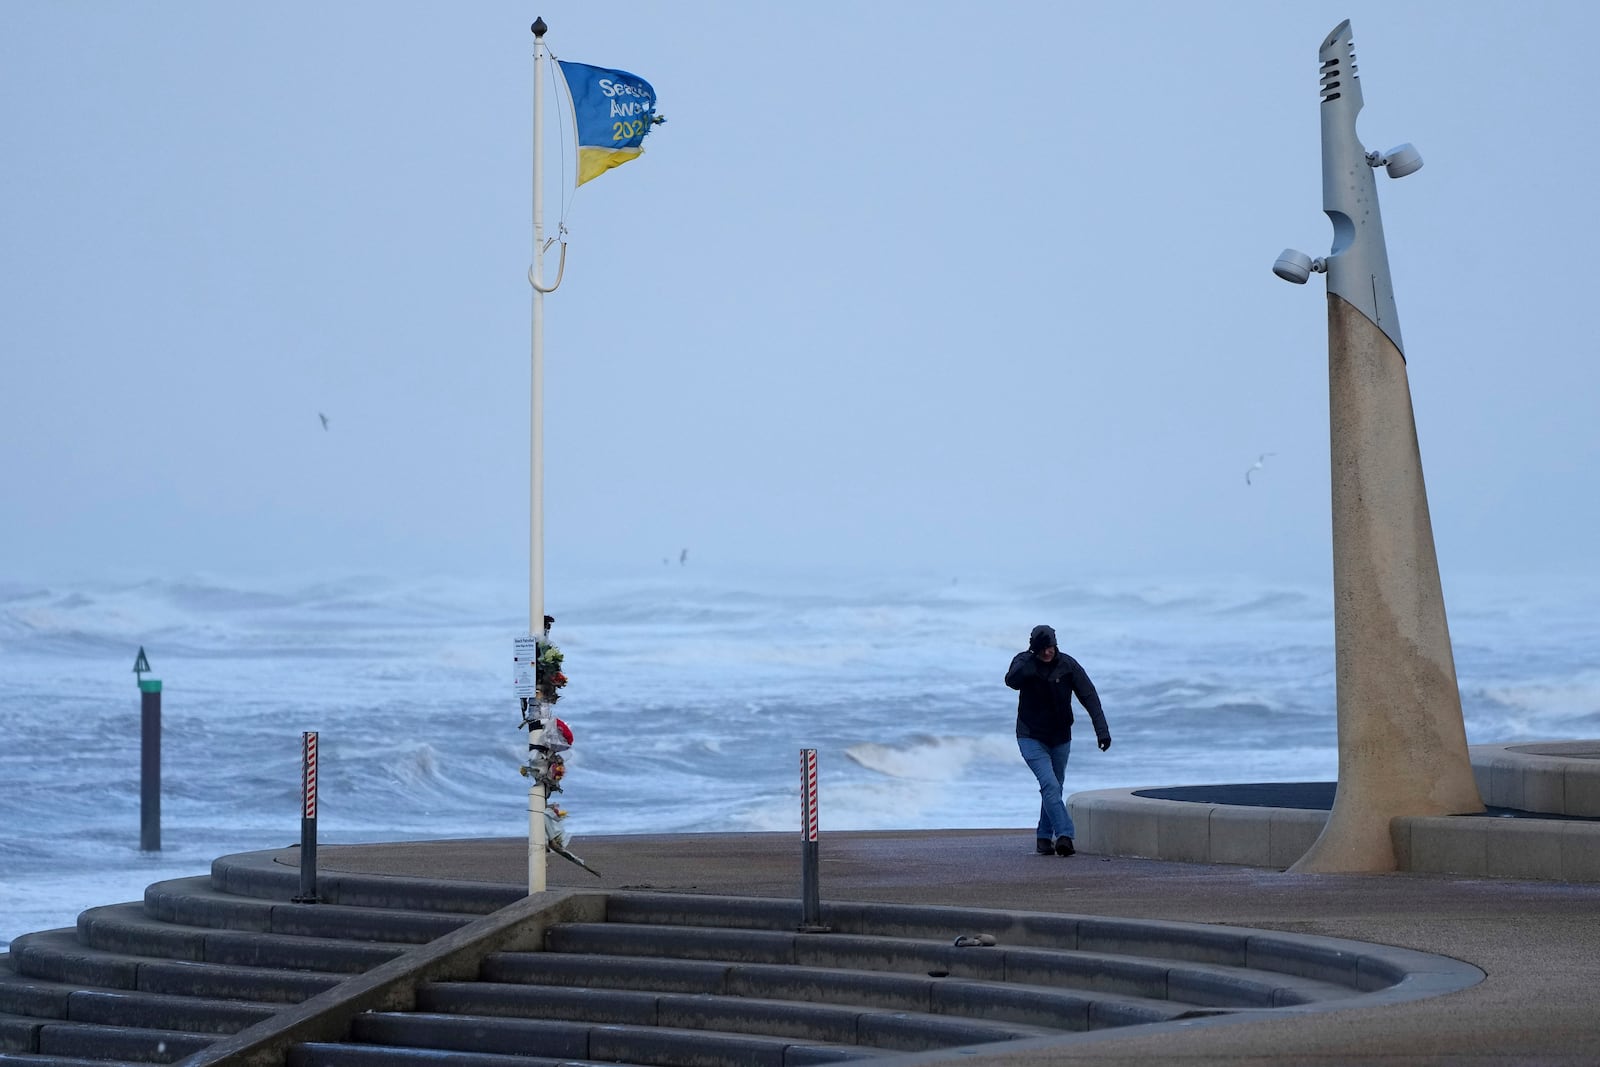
[{"x": 149, "y": 756}]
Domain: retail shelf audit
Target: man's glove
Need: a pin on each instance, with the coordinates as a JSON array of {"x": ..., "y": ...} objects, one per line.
[{"x": 1105, "y": 742}]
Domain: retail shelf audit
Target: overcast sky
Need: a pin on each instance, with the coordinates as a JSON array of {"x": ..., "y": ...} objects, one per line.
[{"x": 936, "y": 285}]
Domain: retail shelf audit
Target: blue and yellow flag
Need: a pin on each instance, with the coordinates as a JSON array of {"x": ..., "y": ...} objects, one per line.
[{"x": 613, "y": 110}]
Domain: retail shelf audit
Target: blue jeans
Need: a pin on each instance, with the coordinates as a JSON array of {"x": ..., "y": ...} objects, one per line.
[{"x": 1049, "y": 764}]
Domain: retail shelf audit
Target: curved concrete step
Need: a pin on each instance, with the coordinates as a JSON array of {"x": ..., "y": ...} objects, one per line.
[
  {"x": 1157, "y": 978},
  {"x": 556, "y": 975},
  {"x": 1050, "y": 975},
  {"x": 612, "y": 1044},
  {"x": 316, "y": 1054},
  {"x": 58, "y": 956},
  {"x": 37, "y": 998},
  {"x": 1356, "y": 967},
  {"x": 1194, "y": 984},
  {"x": 679, "y": 942},
  {"x": 194, "y": 902},
  {"x": 89, "y": 1041},
  {"x": 157, "y": 1011},
  {"x": 125, "y": 928},
  {"x": 194, "y": 961},
  {"x": 670, "y": 980},
  {"x": 1167, "y": 941},
  {"x": 256, "y": 874},
  {"x": 840, "y": 1024}
]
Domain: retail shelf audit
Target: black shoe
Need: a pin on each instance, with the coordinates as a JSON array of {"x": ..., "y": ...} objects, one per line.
[
  {"x": 1064, "y": 846},
  {"x": 1043, "y": 846}
]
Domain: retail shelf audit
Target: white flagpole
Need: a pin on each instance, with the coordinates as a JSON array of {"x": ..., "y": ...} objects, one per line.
[{"x": 536, "y": 790}]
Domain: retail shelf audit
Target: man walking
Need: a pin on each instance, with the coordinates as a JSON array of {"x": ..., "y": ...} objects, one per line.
[{"x": 1046, "y": 679}]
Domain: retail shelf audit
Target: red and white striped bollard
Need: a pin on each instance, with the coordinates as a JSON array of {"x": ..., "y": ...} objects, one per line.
[
  {"x": 308, "y": 819},
  {"x": 810, "y": 892}
]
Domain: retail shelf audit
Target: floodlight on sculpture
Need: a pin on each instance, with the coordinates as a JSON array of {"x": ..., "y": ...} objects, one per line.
[
  {"x": 1297, "y": 267},
  {"x": 1399, "y": 161},
  {"x": 1358, "y": 263}
]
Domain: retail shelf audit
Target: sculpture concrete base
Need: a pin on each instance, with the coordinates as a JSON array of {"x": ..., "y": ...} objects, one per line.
[{"x": 1402, "y": 743}]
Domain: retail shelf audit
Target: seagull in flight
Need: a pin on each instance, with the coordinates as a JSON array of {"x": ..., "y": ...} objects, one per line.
[
  {"x": 1261, "y": 461},
  {"x": 324, "y": 419}
]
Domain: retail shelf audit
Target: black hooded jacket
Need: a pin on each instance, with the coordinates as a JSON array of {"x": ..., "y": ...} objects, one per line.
[{"x": 1044, "y": 697}]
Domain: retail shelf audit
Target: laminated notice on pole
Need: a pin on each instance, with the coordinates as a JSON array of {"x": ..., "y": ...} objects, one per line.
[{"x": 525, "y": 666}]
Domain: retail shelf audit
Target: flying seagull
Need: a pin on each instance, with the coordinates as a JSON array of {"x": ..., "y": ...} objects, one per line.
[
  {"x": 324, "y": 419},
  {"x": 1260, "y": 462}
]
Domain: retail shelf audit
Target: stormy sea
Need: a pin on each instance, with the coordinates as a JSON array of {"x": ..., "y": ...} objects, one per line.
[{"x": 690, "y": 696}]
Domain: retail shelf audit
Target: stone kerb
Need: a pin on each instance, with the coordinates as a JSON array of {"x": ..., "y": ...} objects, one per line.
[
  {"x": 1553, "y": 777},
  {"x": 1531, "y": 849},
  {"x": 1118, "y": 822}
]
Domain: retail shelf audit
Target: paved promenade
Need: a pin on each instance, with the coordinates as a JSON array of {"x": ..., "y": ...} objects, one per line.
[{"x": 1538, "y": 942}]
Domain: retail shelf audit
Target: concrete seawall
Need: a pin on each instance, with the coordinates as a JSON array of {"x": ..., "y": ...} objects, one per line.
[{"x": 1558, "y": 779}]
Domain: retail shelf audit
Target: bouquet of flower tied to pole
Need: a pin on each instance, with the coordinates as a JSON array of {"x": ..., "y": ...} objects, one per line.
[
  {"x": 545, "y": 764},
  {"x": 549, "y": 677}
]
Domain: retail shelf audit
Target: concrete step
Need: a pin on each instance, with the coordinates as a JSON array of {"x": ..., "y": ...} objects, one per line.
[
  {"x": 125, "y": 928},
  {"x": 37, "y": 998},
  {"x": 1193, "y": 984},
  {"x": 1154, "y": 977},
  {"x": 326, "y": 1055},
  {"x": 1165, "y": 942},
  {"x": 610, "y": 1044},
  {"x": 1001, "y": 1002},
  {"x": 58, "y": 956},
  {"x": 611, "y": 972},
  {"x": 676, "y": 942},
  {"x": 1099, "y": 974},
  {"x": 841, "y": 1024},
  {"x": 673, "y": 909},
  {"x": 257, "y": 874},
  {"x": 313, "y": 1054},
  {"x": 34, "y": 1059},
  {"x": 19, "y": 1033},
  {"x": 1352, "y": 967},
  {"x": 194, "y": 902},
  {"x": 88, "y": 1041},
  {"x": 157, "y": 1011}
]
